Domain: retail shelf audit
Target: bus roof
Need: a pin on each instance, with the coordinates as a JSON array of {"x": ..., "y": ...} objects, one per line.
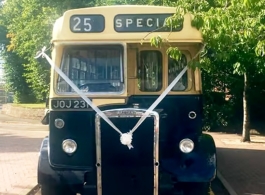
[{"x": 125, "y": 23}]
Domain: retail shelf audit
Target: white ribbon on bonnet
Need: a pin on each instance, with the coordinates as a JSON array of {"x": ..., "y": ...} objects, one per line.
[{"x": 125, "y": 138}]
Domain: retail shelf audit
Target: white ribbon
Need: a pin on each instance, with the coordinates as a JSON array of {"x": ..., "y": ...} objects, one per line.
[
  {"x": 167, "y": 90},
  {"x": 159, "y": 99},
  {"x": 125, "y": 138}
]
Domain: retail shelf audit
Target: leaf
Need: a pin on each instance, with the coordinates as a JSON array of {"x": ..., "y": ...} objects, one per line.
[
  {"x": 174, "y": 53},
  {"x": 156, "y": 41},
  {"x": 260, "y": 49}
]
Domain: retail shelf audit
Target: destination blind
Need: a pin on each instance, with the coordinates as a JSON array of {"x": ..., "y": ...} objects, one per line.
[
  {"x": 95, "y": 23},
  {"x": 142, "y": 23}
]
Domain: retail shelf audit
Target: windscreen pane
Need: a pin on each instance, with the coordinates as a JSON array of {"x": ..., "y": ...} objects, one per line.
[{"x": 93, "y": 69}]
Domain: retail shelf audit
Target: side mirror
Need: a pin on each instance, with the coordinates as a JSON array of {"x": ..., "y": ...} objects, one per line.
[
  {"x": 47, "y": 103},
  {"x": 46, "y": 119}
]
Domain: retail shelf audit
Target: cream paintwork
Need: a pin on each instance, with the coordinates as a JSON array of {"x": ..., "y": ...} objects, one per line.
[
  {"x": 62, "y": 31},
  {"x": 188, "y": 40},
  {"x": 187, "y": 50}
]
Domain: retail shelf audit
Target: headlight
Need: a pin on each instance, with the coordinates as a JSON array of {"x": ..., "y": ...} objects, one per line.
[
  {"x": 186, "y": 145},
  {"x": 59, "y": 123},
  {"x": 69, "y": 146}
]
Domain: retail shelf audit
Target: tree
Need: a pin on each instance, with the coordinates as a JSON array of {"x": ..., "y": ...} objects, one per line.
[
  {"x": 28, "y": 25},
  {"x": 235, "y": 35},
  {"x": 15, "y": 81},
  {"x": 233, "y": 32}
]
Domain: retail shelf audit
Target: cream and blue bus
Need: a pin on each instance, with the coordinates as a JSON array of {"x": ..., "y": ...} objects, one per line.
[{"x": 105, "y": 57}]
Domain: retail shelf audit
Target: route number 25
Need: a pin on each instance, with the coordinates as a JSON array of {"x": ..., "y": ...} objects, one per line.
[{"x": 87, "y": 23}]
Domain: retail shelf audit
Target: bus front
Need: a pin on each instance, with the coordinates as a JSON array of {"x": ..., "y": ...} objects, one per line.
[{"x": 99, "y": 149}]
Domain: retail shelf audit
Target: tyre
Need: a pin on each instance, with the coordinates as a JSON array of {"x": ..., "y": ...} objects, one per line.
[
  {"x": 56, "y": 190},
  {"x": 196, "y": 189}
]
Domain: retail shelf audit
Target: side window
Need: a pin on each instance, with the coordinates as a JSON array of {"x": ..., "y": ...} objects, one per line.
[
  {"x": 174, "y": 68},
  {"x": 150, "y": 71}
]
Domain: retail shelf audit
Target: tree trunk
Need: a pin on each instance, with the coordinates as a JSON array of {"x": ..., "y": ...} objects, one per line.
[{"x": 246, "y": 123}]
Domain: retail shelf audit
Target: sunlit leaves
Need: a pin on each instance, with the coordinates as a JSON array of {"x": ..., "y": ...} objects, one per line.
[
  {"x": 198, "y": 22},
  {"x": 28, "y": 25},
  {"x": 230, "y": 28},
  {"x": 250, "y": 3},
  {"x": 174, "y": 21},
  {"x": 174, "y": 52},
  {"x": 206, "y": 64},
  {"x": 238, "y": 68},
  {"x": 156, "y": 41},
  {"x": 234, "y": 32},
  {"x": 260, "y": 49}
]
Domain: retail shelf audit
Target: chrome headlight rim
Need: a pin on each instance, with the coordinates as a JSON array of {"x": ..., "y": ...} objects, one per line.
[
  {"x": 192, "y": 115},
  {"x": 181, "y": 145},
  {"x": 69, "y": 141}
]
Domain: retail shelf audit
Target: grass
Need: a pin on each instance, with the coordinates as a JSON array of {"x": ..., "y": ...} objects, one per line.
[{"x": 36, "y": 106}]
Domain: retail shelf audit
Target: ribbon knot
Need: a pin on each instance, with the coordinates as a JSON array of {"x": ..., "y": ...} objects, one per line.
[
  {"x": 126, "y": 139},
  {"x": 40, "y": 53}
]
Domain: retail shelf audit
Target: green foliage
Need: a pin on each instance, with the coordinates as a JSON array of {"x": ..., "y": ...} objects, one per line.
[
  {"x": 260, "y": 49},
  {"x": 156, "y": 41},
  {"x": 25, "y": 27},
  {"x": 250, "y": 3},
  {"x": 222, "y": 94},
  {"x": 235, "y": 43},
  {"x": 14, "y": 80},
  {"x": 174, "y": 53},
  {"x": 175, "y": 21},
  {"x": 133, "y": 2}
]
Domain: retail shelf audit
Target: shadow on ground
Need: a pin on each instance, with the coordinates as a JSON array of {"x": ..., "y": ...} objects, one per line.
[
  {"x": 15, "y": 143},
  {"x": 244, "y": 169}
]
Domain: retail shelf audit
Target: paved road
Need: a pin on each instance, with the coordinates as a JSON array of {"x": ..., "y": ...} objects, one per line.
[
  {"x": 241, "y": 163},
  {"x": 216, "y": 186},
  {"x": 20, "y": 141}
]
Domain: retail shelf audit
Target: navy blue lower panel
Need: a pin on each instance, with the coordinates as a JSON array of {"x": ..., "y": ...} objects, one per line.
[{"x": 127, "y": 171}]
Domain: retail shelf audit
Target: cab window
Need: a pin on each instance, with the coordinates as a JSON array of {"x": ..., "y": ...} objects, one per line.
[
  {"x": 174, "y": 68},
  {"x": 93, "y": 69},
  {"x": 150, "y": 71}
]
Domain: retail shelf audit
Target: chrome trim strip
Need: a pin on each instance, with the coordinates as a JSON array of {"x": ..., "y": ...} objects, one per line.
[
  {"x": 192, "y": 113},
  {"x": 98, "y": 154},
  {"x": 156, "y": 151},
  {"x": 128, "y": 112}
]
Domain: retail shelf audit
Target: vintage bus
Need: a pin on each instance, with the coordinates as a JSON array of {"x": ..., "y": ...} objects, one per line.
[{"x": 106, "y": 53}]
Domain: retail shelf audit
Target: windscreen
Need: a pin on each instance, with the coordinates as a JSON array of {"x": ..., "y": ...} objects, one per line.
[{"x": 93, "y": 69}]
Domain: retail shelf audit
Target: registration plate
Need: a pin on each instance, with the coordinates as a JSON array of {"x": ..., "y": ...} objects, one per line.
[{"x": 69, "y": 104}]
